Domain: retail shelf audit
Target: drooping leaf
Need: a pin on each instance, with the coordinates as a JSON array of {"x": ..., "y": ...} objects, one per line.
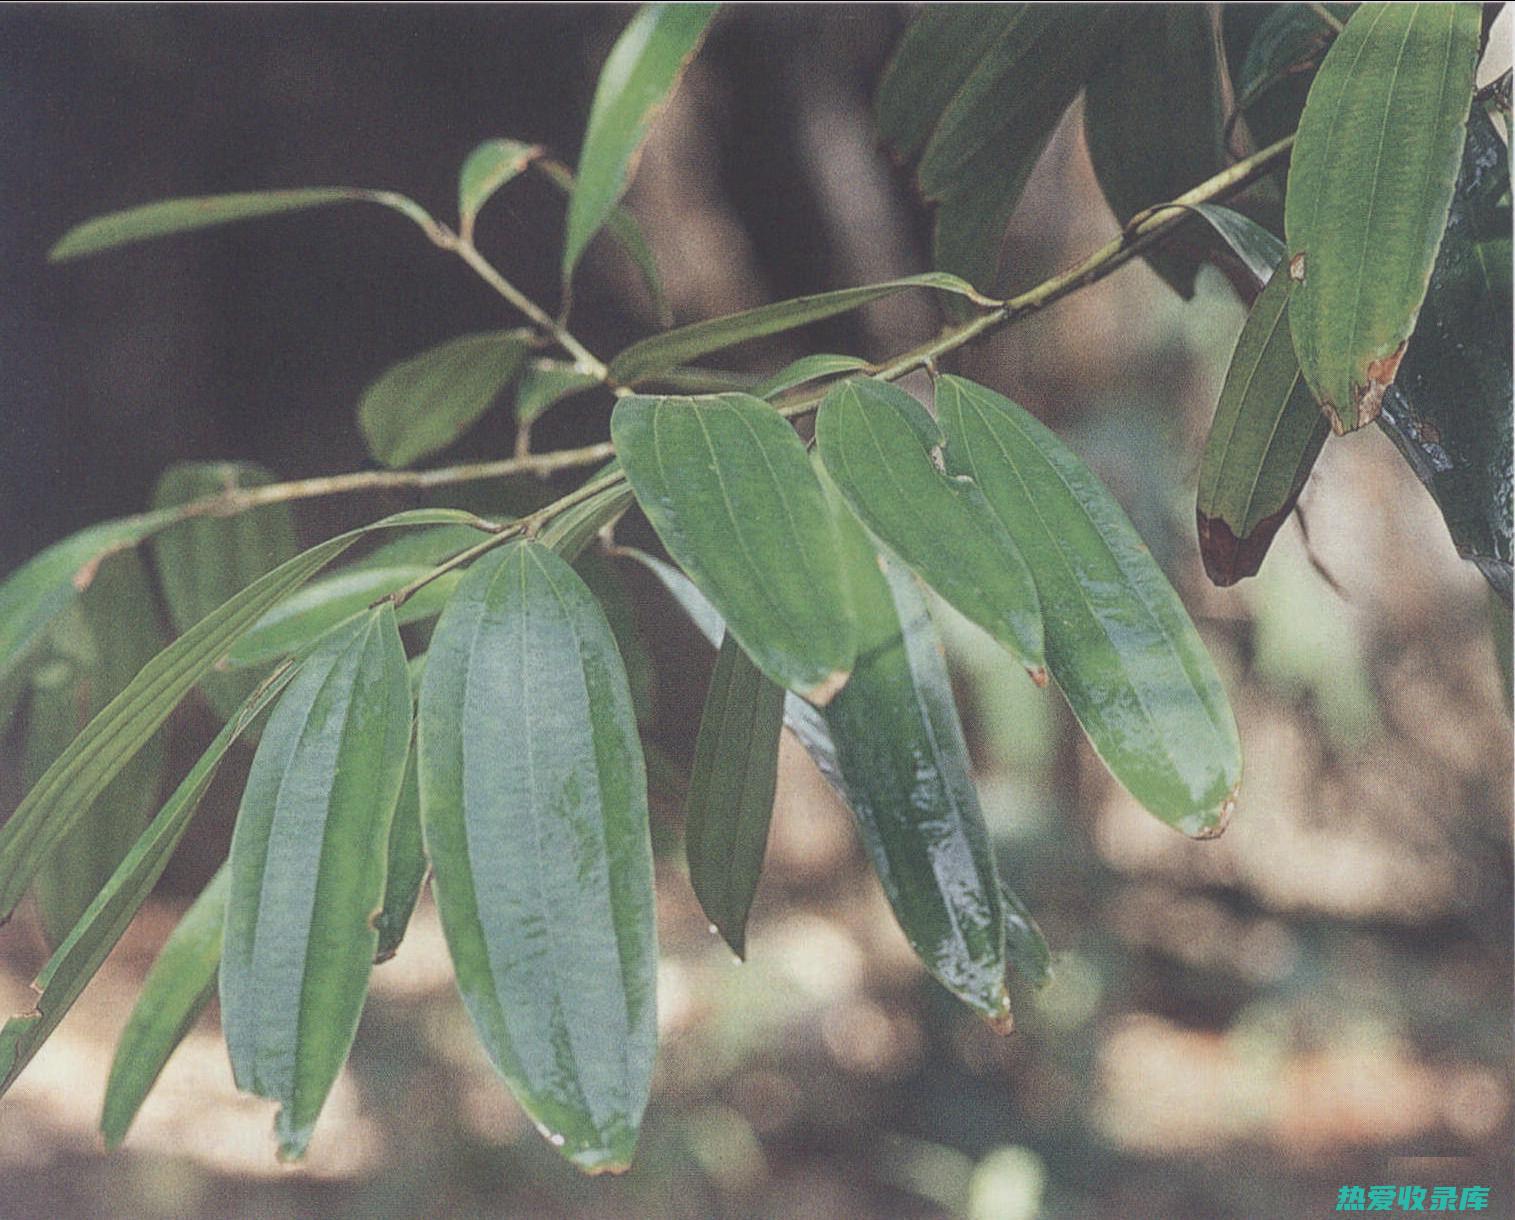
[
  {"x": 307, "y": 869},
  {"x": 877, "y": 444},
  {"x": 1119, "y": 643},
  {"x": 646, "y": 360},
  {"x": 1370, "y": 184},
  {"x": 534, "y": 810},
  {"x": 77, "y": 959},
  {"x": 1154, "y": 119},
  {"x": 120, "y": 632},
  {"x": 427, "y": 402},
  {"x": 173, "y": 996},
  {"x": 1450, "y": 409},
  {"x": 406, "y": 869},
  {"x": 1274, "y": 51},
  {"x": 1256, "y": 249},
  {"x": 546, "y": 382},
  {"x": 977, "y": 91},
  {"x": 571, "y": 531},
  {"x": 57, "y": 800},
  {"x": 642, "y": 71},
  {"x": 727, "y": 486},
  {"x": 731, "y": 790},
  {"x": 1263, "y": 443},
  {"x": 489, "y": 167},
  {"x": 1025, "y": 945},
  {"x": 806, "y": 368},
  {"x": 170, "y": 216}
]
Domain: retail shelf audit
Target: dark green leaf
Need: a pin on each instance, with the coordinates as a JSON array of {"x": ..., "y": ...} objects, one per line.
[
  {"x": 571, "y": 531},
  {"x": 307, "y": 871},
  {"x": 1154, "y": 121},
  {"x": 726, "y": 484},
  {"x": 546, "y": 382},
  {"x": 1025, "y": 945},
  {"x": 644, "y": 361},
  {"x": 604, "y": 581},
  {"x": 1263, "y": 443},
  {"x": 57, "y": 801},
  {"x": 406, "y": 866},
  {"x": 806, "y": 368},
  {"x": 170, "y": 216},
  {"x": 1119, "y": 643},
  {"x": 731, "y": 790},
  {"x": 1256, "y": 248},
  {"x": 877, "y": 443},
  {"x": 489, "y": 167},
  {"x": 1272, "y": 71},
  {"x": 75, "y": 961},
  {"x": 1450, "y": 409},
  {"x": 642, "y": 71},
  {"x": 427, "y": 402},
  {"x": 1370, "y": 184},
  {"x": 173, "y": 996},
  {"x": 534, "y": 809}
]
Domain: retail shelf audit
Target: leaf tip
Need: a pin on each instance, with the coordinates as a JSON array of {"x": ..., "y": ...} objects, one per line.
[
  {"x": 1038, "y": 676},
  {"x": 827, "y": 690},
  {"x": 1368, "y": 399},
  {"x": 1211, "y": 825}
]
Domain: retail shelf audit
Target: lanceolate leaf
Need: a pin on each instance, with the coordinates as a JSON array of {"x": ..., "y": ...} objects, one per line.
[
  {"x": 170, "y": 216},
  {"x": 904, "y": 770},
  {"x": 173, "y": 996},
  {"x": 406, "y": 866},
  {"x": 877, "y": 443},
  {"x": 644, "y": 67},
  {"x": 1119, "y": 643},
  {"x": 111, "y": 739},
  {"x": 1025, "y": 945},
  {"x": 731, "y": 790},
  {"x": 1155, "y": 123},
  {"x": 1450, "y": 411},
  {"x": 645, "y": 360},
  {"x": 1255, "y": 248},
  {"x": 806, "y": 368},
  {"x": 427, "y": 402},
  {"x": 75, "y": 961},
  {"x": 534, "y": 809},
  {"x": 726, "y": 484},
  {"x": 1370, "y": 184},
  {"x": 571, "y": 531},
  {"x": 307, "y": 871},
  {"x": 1262, "y": 446},
  {"x": 489, "y": 167}
]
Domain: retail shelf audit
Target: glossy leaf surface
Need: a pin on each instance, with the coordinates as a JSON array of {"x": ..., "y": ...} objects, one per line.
[
  {"x": 307, "y": 869},
  {"x": 534, "y": 810},
  {"x": 731, "y": 790},
  {"x": 174, "y": 994},
  {"x": 427, "y": 402},
  {"x": 1262, "y": 445},
  {"x": 642, "y": 71},
  {"x": 1370, "y": 184},
  {"x": 1119, "y": 642},
  {"x": 726, "y": 484},
  {"x": 643, "y": 361},
  {"x": 877, "y": 443}
]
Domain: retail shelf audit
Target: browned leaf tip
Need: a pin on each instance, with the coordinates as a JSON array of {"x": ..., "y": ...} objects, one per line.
[
  {"x": 1228, "y": 558},
  {"x": 1368, "y": 399}
]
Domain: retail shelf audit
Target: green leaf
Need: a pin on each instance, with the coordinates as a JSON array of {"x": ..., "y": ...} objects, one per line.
[
  {"x": 534, "y": 810},
  {"x": 604, "y": 580},
  {"x": 1263, "y": 442},
  {"x": 489, "y": 167},
  {"x": 1154, "y": 120},
  {"x": 545, "y": 383},
  {"x": 427, "y": 402},
  {"x": 77, "y": 959},
  {"x": 571, "y": 531},
  {"x": 726, "y": 484},
  {"x": 731, "y": 790},
  {"x": 1370, "y": 184},
  {"x": 57, "y": 801},
  {"x": 1256, "y": 248},
  {"x": 170, "y": 216},
  {"x": 307, "y": 871},
  {"x": 174, "y": 994},
  {"x": 1450, "y": 409},
  {"x": 120, "y": 632},
  {"x": 1025, "y": 945},
  {"x": 877, "y": 443},
  {"x": 1119, "y": 643},
  {"x": 647, "y": 359},
  {"x": 1272, "y": 74},
  {"x": 806, "y": 368},
  {"x": 641, "y": 73},
  {"x": 406, "y": 866}
]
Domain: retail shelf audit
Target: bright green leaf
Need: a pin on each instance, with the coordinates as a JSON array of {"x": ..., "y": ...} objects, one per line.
[
  {"x": 534, "y": 809},
  {"x": 307, "y": 871},
  {"x": 878, "y": 443},
  {"x": 489, "y": 167},
  {"x": 1370, "y": 185},
  {"x": 731, "y": 790},
  {"x": 427, "y": 402},
  {"x": 641, "y": 73},
  {"x": 1119, "y": 643},
  {"x": 726, "y": 484}
]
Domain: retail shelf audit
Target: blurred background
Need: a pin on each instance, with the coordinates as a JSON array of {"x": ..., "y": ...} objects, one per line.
[{"x": 1235, "y": 1029}]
